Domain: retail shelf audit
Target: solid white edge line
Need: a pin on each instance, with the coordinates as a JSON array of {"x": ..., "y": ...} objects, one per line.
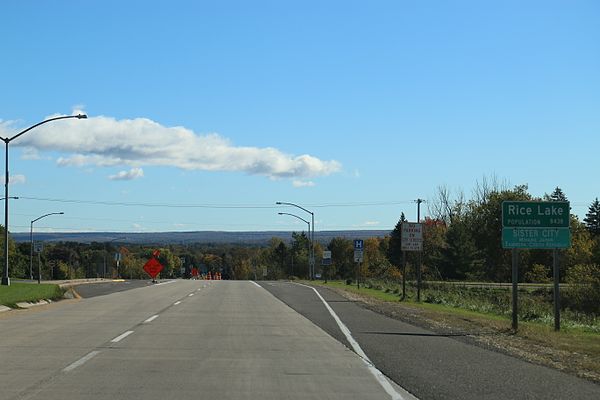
[
  {"x": 256, "y": 284},
  {"x": 177, "y": 303},
  {"x": 381, "y": 378},
  {"x": 166, "y": 283},
  {"x": 190, "y": 295},
  {"x": 152, "y": 318},
  {"x": 81, "y": 361},
  {"x": 121, "y": 337}
]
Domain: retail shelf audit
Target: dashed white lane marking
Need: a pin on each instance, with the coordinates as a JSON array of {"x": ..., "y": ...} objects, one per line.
[
  {"x": 121, "y": 337},
  {"x": 382, "y": 379},
  {"x": 152, "y": 318},
  {"x": 177, "y": 303},
  {"x": 190, "y": 295},
  {"x": 256, "y": 284},
  {"x": 81, "y": 361}
]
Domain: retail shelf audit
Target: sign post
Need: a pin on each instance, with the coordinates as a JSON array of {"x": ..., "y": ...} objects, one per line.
[
  {"x": 358, "y": 258},
  {"x": 326, "y": 262},
  {"x": 535, "y": 225},
  {"x": 153, "y": 267},
  {"x": 411, "y": 236}
]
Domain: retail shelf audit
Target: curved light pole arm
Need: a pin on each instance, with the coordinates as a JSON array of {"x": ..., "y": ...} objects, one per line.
[
  {"x": 309, "y": 242},
  {"x": 78, "y": 116},
  {"x": 312, "y": 214},
  {"x": 31, "y": 245},
  {"x": 5, "y": 277}
]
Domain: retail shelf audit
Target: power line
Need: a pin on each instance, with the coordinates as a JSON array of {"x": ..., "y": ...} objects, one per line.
[{"x": 212, "y": 206}]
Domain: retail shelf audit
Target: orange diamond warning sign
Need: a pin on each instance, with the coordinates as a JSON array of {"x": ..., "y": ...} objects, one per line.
[{"x": 153, "y": 267}]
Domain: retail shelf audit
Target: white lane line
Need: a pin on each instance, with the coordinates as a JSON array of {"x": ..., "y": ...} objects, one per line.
[
  {"x": 382, "y": 379},
  {"x": 256, "y": 284},
  {"x": 197, "y": 290},
  {"x": 165, "y": 283},
  {"x": 81, "y": 361},
  {"x": 152, "y": 318},
  {"x": 190, "y": 295},
  {"x": 121, "y": 337},
  {"x": 177, "y": 303}
]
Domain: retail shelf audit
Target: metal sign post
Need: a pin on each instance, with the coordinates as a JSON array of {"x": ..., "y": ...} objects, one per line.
[
  {"x": 515, "y": 288},
  {"x": 411, "y": 235},
  {"x": 556, "y": 273},
  {"x": 358, "y": 258},
  {"x": 535, "y": 225}
]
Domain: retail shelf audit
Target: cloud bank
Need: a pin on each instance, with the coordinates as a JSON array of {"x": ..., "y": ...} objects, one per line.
[{"x": 108, "y": 142}]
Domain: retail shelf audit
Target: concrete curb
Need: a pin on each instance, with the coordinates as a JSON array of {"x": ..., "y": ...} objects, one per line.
[
  {"x": 4, "y": 308},
  {"x": 30, "y": 305}
]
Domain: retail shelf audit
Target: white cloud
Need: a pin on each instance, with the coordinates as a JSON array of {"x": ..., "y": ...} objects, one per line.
[
  {"x": 133, "y": 173},
  {"x": 298, "y": 183},
  {"x": 104, "y": 142},
  {"x": 13, "y": 179},
  {"x": 30, "y": 154},
  {"x": 371, "y": 223}
]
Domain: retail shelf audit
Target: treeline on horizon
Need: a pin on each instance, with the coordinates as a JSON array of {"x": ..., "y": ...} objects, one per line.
[{"x": 462, "y": 241}]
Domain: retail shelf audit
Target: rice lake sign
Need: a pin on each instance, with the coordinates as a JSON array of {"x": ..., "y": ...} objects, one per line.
[{"x": 535, "y": 225}]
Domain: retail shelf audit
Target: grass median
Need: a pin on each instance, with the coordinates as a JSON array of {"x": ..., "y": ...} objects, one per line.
[
  {"x": 575, "y": 348},
  {"x": 28, "y": 292}
]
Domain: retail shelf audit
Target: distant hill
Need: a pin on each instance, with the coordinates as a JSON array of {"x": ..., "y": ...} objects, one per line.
[{"x": 203, "y": 237}]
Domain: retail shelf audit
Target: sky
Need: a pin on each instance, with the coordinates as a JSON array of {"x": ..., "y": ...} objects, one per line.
[{"x": 203, "y": 114}]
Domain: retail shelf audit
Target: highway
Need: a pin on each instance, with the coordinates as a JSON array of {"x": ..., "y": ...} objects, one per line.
[
  {"x": 245, "y": 340},
  {"x": 176, "y": 340}
]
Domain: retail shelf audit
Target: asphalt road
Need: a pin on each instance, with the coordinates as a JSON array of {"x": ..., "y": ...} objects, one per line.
[
  {"x": 428, "y": 365},
  {"x": 88, "y": 290},
  {"x": 177, "y": 340}
]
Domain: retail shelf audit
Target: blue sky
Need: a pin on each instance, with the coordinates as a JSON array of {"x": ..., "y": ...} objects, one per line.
[{"x": 351, "y": 109}]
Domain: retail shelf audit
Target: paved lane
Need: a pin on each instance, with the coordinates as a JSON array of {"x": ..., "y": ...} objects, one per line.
[
  {"x": 185, "y": 340},
  {"x": 428, "y": 365}
]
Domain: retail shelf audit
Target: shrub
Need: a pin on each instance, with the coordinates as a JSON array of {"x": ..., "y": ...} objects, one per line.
[
  {"x": 537, "y": 274},
  {"x": 583, "y": 293},
  {"x": 349, "y": 281}
]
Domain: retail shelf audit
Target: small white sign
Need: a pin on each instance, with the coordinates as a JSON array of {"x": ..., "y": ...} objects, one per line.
[
  {"x": 412, "y": 236},
  {"x": 358, "y": 256},
  {"x": 38, "y": 246},
  {"x": 326, "y": 254}
]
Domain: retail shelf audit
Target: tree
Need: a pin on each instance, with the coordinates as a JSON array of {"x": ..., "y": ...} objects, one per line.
[
  {"x": 556, "y": 195},
  {"x": 592, "y": 218},
  {"x": 394, "y": 252},
  {"x": 460, "y": 258},
  {"x": 342, "y": 257}
]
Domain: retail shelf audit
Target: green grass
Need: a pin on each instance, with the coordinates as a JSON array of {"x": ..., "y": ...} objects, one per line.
[
  {"x": 492, "y": 303},
  {"x": 30, "y": 292}
]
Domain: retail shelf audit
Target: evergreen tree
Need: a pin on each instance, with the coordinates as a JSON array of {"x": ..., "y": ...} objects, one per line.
[
  {"x": 394, "y": 253},
  {"x": 592, "y": 218},
  {"x": 460, "y": 258},
  {"x": 556, "y": 195}
]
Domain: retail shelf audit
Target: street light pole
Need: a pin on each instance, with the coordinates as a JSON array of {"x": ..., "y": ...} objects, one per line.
[
  {"x": 7, "y": 140},
  {"x": 309, "y": 245},
  {"x": 31, "y": 245},
  {"x": 312, "y": 252}
]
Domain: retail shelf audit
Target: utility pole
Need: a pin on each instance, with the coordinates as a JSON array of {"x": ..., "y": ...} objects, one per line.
[{"x": 419, "y": 201}]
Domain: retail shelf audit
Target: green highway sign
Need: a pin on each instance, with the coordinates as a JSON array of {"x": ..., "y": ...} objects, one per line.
[
  {"x": 536, "y": 238},
  {"x": 536, "y": 225},
  {"x": 535, "y": 214}
]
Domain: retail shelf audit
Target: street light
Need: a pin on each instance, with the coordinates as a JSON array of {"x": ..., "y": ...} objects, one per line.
[
  {"x": 31, "y": 246},
  {"x": 110, "y": 241},
  {"x": 309, "y": 246},
  {"x": 312, "y": 255},
  {"x": 7, "y": 140}
]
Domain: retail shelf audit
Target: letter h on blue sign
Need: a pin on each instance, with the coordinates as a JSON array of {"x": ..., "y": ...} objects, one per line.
[{"x": 358, "y": 244}]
